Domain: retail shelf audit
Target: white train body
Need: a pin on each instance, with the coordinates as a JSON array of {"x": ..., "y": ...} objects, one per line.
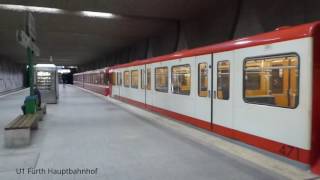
[{"x": 286, "y": 130}]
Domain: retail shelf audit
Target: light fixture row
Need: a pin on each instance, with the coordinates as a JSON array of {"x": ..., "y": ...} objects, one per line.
[{"x": 50, "y": 10}]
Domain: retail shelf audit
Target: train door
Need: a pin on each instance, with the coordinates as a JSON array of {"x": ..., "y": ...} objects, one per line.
[
  {"x": 148, "y": 84},
  {"x": 115, "y": 84},
  {"x": 202, "y": 87},
  {"x": 143, "y": 83},
  {"x": 222, "y": 89},
  {"x": 119, "y": 83}
]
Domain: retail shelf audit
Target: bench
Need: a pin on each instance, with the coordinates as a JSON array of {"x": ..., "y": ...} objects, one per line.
[{"x": 18, "y": 132}]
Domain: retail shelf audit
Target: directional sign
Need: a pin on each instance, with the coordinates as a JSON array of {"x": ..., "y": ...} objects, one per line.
[
  {"x": 31, "y": 26},
  {"x": 27, "y": 42},
  {"x": 26, "y": 39},
  {"x": 23, "y": 38}
]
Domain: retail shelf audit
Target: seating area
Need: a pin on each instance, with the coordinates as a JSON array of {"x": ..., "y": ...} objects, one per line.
[{"x": 18, "y": 132}]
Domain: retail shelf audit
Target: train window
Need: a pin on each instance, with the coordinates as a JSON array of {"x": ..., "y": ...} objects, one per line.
[
  {"x": 272, "y": 80},
  {"x": 148, "y": 79},
  {"x": 181, "y": 79},
  {"x": 134, "y": 79},
  {"x": 114, "y": 77},
  {"x": 253, "y": 81},
  {"x": 126, "y": 79},
  {"x": 96, "y": 79},
  {"x": 101, "y": 78},
  {"x": 106, "y": 78},
  {"x": 161, "y": 79},
  {"x": 223, "y": 80},
  {"x": 142, "y": 79},
  {"x": 203, "y": 79},
  {"x": 119, "y": 79}
]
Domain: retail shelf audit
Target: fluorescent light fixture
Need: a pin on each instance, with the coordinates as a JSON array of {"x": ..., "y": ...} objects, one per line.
[
  {"x": 45, "y": 65},
  {"x": 92, "y": 14},
  {"x": 75, "y": 67},
  {"x": 14, "y": 7},
  {"x": 64, "y": 71},
  {"x": 97, "y": 14}
]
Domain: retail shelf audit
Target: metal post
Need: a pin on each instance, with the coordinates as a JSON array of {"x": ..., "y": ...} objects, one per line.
[{"x": 31, "y": 77}]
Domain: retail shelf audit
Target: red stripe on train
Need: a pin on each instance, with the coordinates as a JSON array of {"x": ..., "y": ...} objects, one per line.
[{"x": 288, "y": 151}]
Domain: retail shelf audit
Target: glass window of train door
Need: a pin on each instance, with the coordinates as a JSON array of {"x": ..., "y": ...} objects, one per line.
[
  {"x": 223, "y": 79},
  {"x": 203, "y": 79}
]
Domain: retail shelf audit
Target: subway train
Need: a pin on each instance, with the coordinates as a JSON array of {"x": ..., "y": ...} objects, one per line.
[
  {"x": 263, "y": 90},
  {"x": 96, "y": 80}
]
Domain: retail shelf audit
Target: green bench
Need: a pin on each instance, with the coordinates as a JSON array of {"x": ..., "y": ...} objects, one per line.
[{"x": 18, "y": 132}]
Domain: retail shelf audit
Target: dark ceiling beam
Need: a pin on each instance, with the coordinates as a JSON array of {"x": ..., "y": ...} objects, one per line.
[{"x": 236, "y": 19}]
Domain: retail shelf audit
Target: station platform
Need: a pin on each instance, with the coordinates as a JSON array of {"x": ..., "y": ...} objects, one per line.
[{"x": 85, "y": 130}]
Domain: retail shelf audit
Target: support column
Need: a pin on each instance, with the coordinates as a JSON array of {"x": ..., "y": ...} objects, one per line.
[{"x": 31, "y": 77}]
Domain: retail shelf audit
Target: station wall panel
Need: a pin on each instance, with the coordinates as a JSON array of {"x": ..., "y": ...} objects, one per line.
[{"x": 11, "y": 75}]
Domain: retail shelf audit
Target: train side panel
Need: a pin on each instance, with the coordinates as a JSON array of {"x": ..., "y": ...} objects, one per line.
[
  {"x": 288, "y": 125},
  {"x": 202, "y": 97},
  {"x": 168, "y": 100},
  {"x": 149, "y": 84},
  {"x": 115, "y": 88},
  {"x": 269, "y": 104},
  {"x": 223, "y": 88},
  {"x": 133, "y": 89}
]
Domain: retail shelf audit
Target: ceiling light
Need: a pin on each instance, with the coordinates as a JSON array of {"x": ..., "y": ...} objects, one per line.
[
  {"x": 64, "y": 71},
  {"x": 30, "y": 8},
  {"x": 14, "y": 7},
  {"x": 97, "y": 14},
  {"x": 45, "y": 65}
]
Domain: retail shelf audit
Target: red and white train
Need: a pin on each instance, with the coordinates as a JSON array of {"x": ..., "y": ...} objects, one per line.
[
  {"x": 96, "y": 80},
  {"x": 263, "y": 90}
]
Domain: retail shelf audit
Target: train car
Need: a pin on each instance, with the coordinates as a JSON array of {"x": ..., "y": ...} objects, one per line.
[
  {"x": 262, "y": 90},
  {"x": 96, "y": 80}
]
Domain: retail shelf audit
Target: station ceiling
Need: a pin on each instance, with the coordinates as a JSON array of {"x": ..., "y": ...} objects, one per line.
[{"x": 73, "y": 33}]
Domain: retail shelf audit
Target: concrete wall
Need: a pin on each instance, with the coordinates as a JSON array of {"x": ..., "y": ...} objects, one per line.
[
  {"x": 226, "y": 20},
  {"x": 11, "y": 75}
]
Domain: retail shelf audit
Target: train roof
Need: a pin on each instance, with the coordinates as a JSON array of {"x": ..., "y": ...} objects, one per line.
[
  {"x": 284, "y": 33},
  {"x": 93, "y": 71}
]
